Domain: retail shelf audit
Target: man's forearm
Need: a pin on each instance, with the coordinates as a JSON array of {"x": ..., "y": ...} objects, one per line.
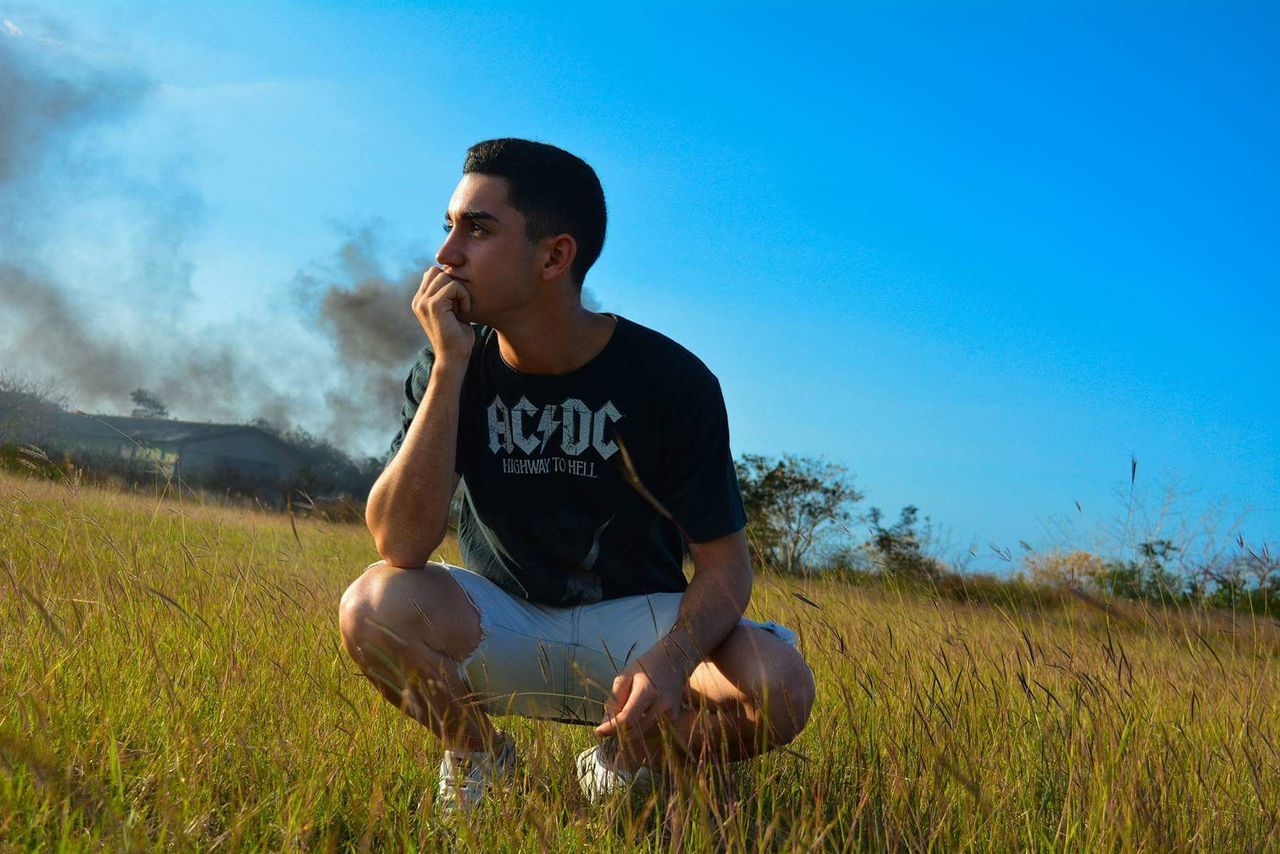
[
  {"x": 709, "y": 610},
  {"x": 408, "y": 507}
]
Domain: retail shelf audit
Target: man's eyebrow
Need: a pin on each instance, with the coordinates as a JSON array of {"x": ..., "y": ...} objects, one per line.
[{"x": 472, "y": 215}]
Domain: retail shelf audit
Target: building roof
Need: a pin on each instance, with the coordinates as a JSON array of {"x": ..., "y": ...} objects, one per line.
[{"x": 152, "y": 431}]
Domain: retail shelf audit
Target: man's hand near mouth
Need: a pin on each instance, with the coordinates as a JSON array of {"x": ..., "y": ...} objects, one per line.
[{"x": 441, "y": 306}]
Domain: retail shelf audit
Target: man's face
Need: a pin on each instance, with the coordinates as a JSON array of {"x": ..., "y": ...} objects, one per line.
[{"x": 485, "y": 248}]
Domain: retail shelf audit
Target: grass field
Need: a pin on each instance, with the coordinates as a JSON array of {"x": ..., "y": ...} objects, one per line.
[{"x": 171, "y": 676}]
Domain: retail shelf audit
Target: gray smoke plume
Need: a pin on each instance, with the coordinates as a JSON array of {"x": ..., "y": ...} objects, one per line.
[
  {"x": 39, "y": 329},
  {"x": 108, "y": 336},
  {"x": 41, "y": 114},
  {"x": 369, "y": 318}
]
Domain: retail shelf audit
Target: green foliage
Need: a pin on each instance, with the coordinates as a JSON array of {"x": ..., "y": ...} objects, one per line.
[
  {"x": 790, "y": 503},
  {"x": 1249, "y": 582},
  {"x": 898, "y": 550},
  {"x": 1145, "y": 578},
  {"x": 326, "y": 470},
  {"x": 29, "y": 460}
]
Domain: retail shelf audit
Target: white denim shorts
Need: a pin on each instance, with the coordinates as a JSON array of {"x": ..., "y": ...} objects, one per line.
[{"x": 559, "y": 663}]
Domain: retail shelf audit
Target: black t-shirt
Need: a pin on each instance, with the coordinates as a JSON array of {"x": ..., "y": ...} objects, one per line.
[{"x": 550, "y": 510}]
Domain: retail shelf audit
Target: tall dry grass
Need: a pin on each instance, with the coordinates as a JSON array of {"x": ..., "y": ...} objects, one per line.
[{"x": 171, "y": 676}]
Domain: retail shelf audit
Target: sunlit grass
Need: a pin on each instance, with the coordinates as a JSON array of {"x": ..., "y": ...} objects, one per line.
[{"x": 171, "y": 675}]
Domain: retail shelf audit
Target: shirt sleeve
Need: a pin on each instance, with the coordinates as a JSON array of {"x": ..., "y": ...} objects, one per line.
[
  {"x": 702, "y": 486},
  {"x": 415, "y": 389}
]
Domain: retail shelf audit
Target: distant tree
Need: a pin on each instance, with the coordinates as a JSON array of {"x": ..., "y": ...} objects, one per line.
[
  {"x": 790, "y": 502},
  {"x": 147, "y": 405},
  {"x": 1149, "y": 577},
  {"x": 1160, "y": 582},
  {"x": 1262, "y": 566},
  {"x": 327, "y": 470},
  {"x": 900, "y": 549}
]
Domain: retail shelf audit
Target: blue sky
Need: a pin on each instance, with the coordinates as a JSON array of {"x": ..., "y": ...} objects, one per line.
[{"x": 980, "y": 254}]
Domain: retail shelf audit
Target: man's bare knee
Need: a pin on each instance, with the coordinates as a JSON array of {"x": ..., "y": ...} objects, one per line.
[
  {"x": 392, "y": 608},
  {"x": 766, "y": 680},
  {"x": 787, "y": 697}
]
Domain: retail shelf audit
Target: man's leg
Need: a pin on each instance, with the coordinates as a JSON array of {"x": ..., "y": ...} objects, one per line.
[
  {"x": 751, "y": 695},
  {"x": 407, "y": 629}
]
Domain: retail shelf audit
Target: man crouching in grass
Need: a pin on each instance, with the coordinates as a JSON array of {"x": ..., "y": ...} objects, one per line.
[{"x": 591, "y": 451}]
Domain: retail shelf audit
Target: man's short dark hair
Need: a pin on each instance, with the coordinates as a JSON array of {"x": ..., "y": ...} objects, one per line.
[{"x": 555, "y": 192}]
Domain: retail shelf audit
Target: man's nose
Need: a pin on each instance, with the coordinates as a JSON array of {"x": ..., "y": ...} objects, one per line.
[{"x": 449, "y": 255}]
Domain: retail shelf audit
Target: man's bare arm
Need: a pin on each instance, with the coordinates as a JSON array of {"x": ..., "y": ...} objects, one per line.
[
  {"x": 651, "y": 687},
  {"x": 714, "y": 602},
  {"x": 408, "y": 507}
]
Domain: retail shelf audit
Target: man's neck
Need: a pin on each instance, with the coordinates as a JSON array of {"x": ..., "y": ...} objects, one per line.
[{"x": 555, "y": 339}]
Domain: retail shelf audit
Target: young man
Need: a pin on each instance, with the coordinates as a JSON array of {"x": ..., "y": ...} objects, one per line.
[{"x": 591, "y": 451}]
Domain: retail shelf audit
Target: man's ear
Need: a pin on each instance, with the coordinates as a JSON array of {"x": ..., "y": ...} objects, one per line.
[{"x": 560, "y": 252}]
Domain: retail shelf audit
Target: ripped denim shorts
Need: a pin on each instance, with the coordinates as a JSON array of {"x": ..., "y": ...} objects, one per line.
[{"x": 559, "y": 663}]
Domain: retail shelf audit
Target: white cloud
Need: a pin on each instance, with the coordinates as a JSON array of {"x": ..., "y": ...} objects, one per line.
[{"x": 11, "y": 28}]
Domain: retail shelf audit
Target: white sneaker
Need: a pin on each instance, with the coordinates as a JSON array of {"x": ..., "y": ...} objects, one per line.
[
  {"x": 599, "y": 777},
  {"x": 465, "y": 776}
]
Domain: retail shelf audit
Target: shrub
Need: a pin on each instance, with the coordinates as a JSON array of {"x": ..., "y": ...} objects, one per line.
[
  {"x": 899, "y": 549},
  {"x": 1071, "y": 569}
]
